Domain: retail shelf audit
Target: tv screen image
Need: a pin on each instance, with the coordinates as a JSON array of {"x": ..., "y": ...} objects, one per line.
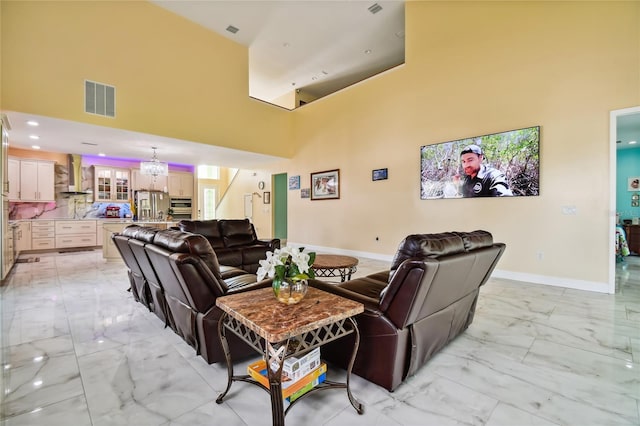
[{"x": 505, "y": 164}]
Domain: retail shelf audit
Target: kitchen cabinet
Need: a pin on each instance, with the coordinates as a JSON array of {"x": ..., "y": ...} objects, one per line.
[
  {"x": 140, "y": 182},
  {"x": 181, "y": 184},
  {"x": 8, "y": 255},
  {"x": 111, "y": 184},
  {"x": 22, "y": 240},
  {"x": 43, "y": 234},
  {"x": 13, "y": 180},
  {"x": 75, "y": 233},
  {"x": 34, "y": 181}
]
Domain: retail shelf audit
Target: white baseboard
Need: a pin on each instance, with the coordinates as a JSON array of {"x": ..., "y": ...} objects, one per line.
[{"x": 599, "y": 287}]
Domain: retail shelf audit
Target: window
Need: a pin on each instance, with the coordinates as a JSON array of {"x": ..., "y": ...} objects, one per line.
[{"x": 208, "y": 172}]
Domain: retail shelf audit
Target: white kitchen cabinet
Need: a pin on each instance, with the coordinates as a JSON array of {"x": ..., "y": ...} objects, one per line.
[
  {"x": 43, "y": 234},
  {"x": 140, "y": 182},
  {"x": 181, "y": 184},
  {"x": 13, "y": 171},
  {"x": 75, "y": 233},
  {"x": 111, "y": 184},
  {"x": 22, "y": 241},
  {"x": 34, "y": 180}
]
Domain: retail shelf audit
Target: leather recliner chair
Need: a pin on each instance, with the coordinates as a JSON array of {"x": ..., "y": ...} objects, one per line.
[
  {"x": 234, "y": 241},
  {"x": 140, "y": 236},
  {"x": 139, "y": 287},
  {"x": 192, "y": 280},
  {"x": 426, "y": 299}
]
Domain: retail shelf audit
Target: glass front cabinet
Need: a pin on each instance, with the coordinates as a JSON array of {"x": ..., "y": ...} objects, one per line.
[{"x": 111, "y": 184}]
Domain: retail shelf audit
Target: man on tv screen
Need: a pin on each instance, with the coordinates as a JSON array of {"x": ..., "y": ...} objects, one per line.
[{"x": 481, "y": 180}]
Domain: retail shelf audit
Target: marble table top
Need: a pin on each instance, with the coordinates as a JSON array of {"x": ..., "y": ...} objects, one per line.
[
  {"x": 274, "y": 321},
  {"x": 328, "y": 261}
]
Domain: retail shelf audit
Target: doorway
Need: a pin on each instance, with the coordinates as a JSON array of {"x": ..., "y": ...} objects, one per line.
[
  {"x": 208, "y": 201},
  {"x": 616, "y": 117},
  {"x": 280, "y": 206}
]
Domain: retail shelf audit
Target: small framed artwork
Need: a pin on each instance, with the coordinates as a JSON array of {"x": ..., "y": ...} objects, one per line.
[
  {"x": 379, "y": 174},
  {"x": 635, "y": 204},
  {"x": 294, "y": 182},
  {"x": 305, "y": 193},
  {"x": 266, "y": 197},
  {"x": 325, "y": 185},
  {"x": 634, "y": 183},
  {"x": 635, "y": 197}
]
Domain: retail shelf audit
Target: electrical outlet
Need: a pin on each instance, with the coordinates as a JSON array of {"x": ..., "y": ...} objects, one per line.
[{"x": 540, "y": 255}]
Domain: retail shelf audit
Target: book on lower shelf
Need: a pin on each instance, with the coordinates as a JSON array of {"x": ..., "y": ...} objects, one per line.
[
  {"x": 307, "y": 387},
  {"x": 258, "y": 371}
]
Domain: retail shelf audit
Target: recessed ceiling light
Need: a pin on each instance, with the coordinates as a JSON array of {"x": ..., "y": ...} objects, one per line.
[
  {"x": 35, "y": 146},
  {"x": 367, "y": 52},
  {"x": 285, "y": 44},
  {"x": 314, "y": 78},
  {"x": 400, "y": 34},
  {"x": 632, "y": 142},
  {"x": 33, "y": 123},
  {"x": 293, "y": 84},
  {"x": 34, "y": 137}
]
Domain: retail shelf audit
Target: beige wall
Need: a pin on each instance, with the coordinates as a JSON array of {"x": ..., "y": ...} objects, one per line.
[
  {"x": 232, "y": 204},
  {"x": 173, "y": 77},
  {"x": 472, "y": 69}
]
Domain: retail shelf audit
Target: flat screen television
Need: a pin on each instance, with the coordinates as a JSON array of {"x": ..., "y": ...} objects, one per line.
[{"x": 494, "y": 165}]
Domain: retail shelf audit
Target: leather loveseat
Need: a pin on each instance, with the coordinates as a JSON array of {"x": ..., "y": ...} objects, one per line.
[
  {"x": 234, "y": 241},
  {"x": 426, "y": 299},
  {"x": 177, "y": 276}
]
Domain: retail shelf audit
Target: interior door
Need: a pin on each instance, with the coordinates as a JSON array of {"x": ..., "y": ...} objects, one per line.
[{"x": 280, "y": 206}]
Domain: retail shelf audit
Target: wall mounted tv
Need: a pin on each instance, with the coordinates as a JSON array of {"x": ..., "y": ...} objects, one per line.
[{"x": 495, "y": 165}]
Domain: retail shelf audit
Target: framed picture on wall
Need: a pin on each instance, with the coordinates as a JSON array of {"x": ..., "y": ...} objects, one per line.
[
  {"x": 634, "y": 183},
  {"x": 294, "y": 182},
  {"x": 305, "y": 192},
  {"x": 325, "y": 185}
]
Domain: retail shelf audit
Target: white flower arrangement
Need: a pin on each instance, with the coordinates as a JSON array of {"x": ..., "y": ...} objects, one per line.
[{"x": 288, "y": 262}]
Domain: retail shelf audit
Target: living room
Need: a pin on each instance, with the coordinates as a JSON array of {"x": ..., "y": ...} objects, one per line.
[
  {"x": 458, "y": 81},
  {"x": 471, "y": 69}
]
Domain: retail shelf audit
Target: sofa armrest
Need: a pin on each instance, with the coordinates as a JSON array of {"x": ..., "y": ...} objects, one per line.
[
  {"x": 369, "y": 303},
  {"x": 272, "y": 244}
]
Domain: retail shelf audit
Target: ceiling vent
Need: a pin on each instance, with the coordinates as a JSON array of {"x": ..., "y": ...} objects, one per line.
[
  {"x": 375, "y": 8},
  {"x": 232, "y": 29},
  {"x": 99, "y": 99}
]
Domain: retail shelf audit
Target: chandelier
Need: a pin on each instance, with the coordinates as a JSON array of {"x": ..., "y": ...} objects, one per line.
[{"x": 154, "y": 167}]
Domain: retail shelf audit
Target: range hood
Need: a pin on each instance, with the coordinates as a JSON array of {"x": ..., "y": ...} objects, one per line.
[{"x": 74, "y": 166}]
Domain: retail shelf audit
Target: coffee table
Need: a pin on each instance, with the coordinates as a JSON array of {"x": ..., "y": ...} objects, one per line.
[
  {"x": 334, "y": 265},
  {"x": 279, "y": 331}
]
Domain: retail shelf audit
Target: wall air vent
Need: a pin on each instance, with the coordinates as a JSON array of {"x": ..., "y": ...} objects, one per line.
[
  {"x": 99, "y": 99},
  {"x": 375, "y": 8},
  {"x": 232, "y": 29}
]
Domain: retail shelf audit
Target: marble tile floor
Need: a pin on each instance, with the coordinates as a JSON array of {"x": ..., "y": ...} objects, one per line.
[{"x": 78, "y": 350}]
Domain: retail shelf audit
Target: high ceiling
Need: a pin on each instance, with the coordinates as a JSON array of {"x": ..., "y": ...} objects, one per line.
[
  {"x": 318, "y": 47},
  {"x": 321, "y": 46},
  {"x": 329, "y": 36}
]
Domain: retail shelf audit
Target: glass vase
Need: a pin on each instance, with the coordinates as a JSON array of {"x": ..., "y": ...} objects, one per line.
[{"x": 290, "y": 292}]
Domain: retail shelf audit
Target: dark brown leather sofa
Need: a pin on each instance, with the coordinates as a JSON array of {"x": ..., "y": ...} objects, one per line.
[
  {"x": 426, "y": 299},
  {"x": 234, "y": 240},
  {"x": 182, "y": 279}
]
